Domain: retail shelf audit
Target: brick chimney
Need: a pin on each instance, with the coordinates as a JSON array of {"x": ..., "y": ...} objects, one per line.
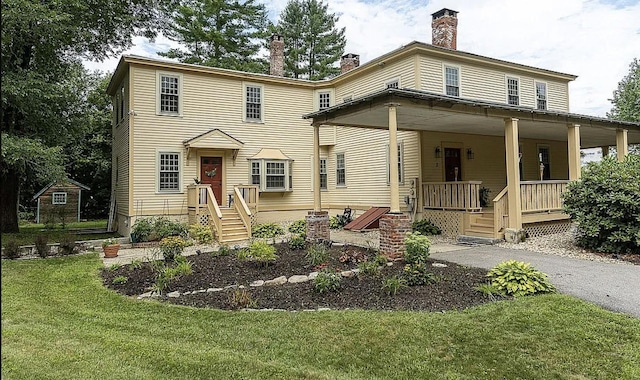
[
  {"x": 349, "y": 62},
  {"x": 444, "y": 28},
  {"x": 276, "y": 55}
]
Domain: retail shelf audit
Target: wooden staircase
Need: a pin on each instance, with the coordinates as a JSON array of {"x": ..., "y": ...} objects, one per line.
[
  {"x": 480, "y": 225},
  {"x": 233, "y": 229}
]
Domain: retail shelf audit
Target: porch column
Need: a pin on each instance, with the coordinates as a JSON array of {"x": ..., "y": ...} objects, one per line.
[
  {"x": 605, "y": 151},
  {"x": 574, "y": 151},
  {"x": 394, "y": 188},
  {"x": 514, "y": 231},
  {"x": 622, "y": 146},
  {"x": 317, "y": 220}
]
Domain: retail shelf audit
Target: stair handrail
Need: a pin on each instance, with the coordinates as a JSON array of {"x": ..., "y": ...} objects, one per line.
[
  {"x": 242, "y": 209},
  {"x": 500, "y": 210},
  {"x": 215, "y": 214}
]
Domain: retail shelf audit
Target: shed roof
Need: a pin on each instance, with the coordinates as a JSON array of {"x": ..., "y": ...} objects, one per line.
[{"x": 67, "y": 180}]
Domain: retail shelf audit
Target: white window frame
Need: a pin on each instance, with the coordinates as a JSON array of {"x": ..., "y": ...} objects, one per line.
[
  {"x": 159, "y": 168},
  {"x": 546, "y": 95},
  {"x": 59, "y": 194},
  {"x": 400, "y": 163},
  {"x": 343, "y": 168},
  {"x": 159, "y": 75},
  {"x": 316, "y": 98},
  {"x": 444, "y": 79},
  {"x": 517, "y": 96},
  {"x": 259, "y": 168},
  {"x": 246, "y": 119},
  {"x": 323, "y": 174},
  {"x": 123, "y": 103},
  {"x": 392, "y": 83},
  {"x": 324, "y": 100}
]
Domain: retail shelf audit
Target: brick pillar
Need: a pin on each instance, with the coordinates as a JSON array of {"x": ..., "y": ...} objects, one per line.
[
  {"x": 393, "y": 230},
  {"x": 318, "y": 226}
]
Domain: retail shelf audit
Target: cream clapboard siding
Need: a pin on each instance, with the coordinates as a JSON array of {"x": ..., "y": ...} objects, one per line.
[
  {"x": 213, "y": 102},
  {"x": 375, "y": 80},
  {"x": 120, "y": 154},
  {"x": 484, "y": 83},
  {"x": 489, "y": 163}
]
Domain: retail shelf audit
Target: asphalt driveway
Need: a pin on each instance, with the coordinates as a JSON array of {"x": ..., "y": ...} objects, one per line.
[{"x": 613, "y": 286}]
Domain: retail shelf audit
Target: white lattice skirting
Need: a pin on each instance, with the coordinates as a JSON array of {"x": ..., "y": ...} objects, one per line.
[
  {"x": 450, "y": 222},
  {"x": 547, "y": 228}
]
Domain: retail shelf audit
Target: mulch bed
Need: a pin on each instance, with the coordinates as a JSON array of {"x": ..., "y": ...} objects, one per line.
[{"x": 454, "y": 287}]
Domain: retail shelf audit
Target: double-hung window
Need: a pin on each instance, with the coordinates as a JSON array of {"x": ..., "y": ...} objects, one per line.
[
  {"x": 253, "y": 103},
  {"x": 541, "y": 96},
  {"x": 169, "y": 94},
  {"x": 324, "y": 100},
  {"x": 271, "y": 175},
  {"x": 255, "y": 173},
  {"x": 168, "y": 171},
  {"x": 323, "y": 173},
  {"x": 513, "y": 91},
  {"x": 59, "y": 198},
  {"x": 341, "y": 173},
  {"x": 452, "y": 80},
  {"x": 276, "y": 175}
]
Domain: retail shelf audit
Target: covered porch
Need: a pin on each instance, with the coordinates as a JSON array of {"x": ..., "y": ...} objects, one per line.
[{"x": 453, "y": 198}]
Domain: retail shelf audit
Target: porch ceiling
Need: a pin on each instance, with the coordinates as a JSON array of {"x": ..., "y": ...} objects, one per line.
[{"x": 422, "y": 111}]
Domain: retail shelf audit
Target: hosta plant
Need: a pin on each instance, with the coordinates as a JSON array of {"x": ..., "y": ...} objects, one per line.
[
  {"x": 517, "y": 279},
  {"x": 327, "y": 280},
  {"x": 258, "y": 251}
]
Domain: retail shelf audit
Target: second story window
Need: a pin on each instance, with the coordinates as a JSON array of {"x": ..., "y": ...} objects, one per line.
[
  {"x": 452, "y": 80},
  {"x": 324, "y": 100},
  {"x": 169, "y": 94},
  {"x": 253, "y": 103},
  {"x": 513, "y": 91},
  {"x": 541, "y": 96}
]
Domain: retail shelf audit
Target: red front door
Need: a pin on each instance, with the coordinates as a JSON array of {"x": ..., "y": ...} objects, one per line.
[
  {"x": 211, "y": 174},
  {"x": 452, "y": 165}
]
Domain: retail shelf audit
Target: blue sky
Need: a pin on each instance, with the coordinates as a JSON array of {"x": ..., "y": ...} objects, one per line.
[{"x": 596, "y": 40}]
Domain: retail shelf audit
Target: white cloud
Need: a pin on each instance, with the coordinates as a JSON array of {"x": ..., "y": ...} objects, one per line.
[{"x": 595, "y": 40}]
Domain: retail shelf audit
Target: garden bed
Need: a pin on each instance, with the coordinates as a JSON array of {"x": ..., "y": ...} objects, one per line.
[{"x": 454, "y": 286}]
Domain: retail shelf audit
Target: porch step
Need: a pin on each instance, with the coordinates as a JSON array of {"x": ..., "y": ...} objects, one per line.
[
  {"x": 233, "y": 229},
  {"x": 484, "y": 220},
  {"x": 466, "y": 239},
  {"x": 479, "y": 232}
]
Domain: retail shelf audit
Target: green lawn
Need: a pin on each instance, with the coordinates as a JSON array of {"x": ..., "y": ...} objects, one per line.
[
  {"x": 29, "y": 231},
  {"x": 58, "y": 322}
]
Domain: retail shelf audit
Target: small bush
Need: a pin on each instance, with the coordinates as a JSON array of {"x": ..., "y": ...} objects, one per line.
[
  {"x": 606, "y": 203},
  {"x": 335, "y": 223},
  {"x": 223, "y": 250},
  {"x": 172, "y": 247},
  {"x": 241, "y": 299},
  {"x": 417, "y": 248},
  {"x": 369, "y": 268},
  {"x": 515, "y": 278},
  {"x": 135, "y": 264},
  {"x": 298, "y": 227},
  {"x": 425, "y": 227},
  {"x": 165, "y": 227},
  {"x": 67, "y": 245},
  {"x": 12, "y": 250},
  {"x": 417, "y": 274},
  {"x": 392, "y": 285},
  {"x": 167, "y": 274},
  {"x": 297, "y": 242},
  {"x": 317, "y": 254},
  {"x": 200, "y": 233},
  {"x": 381, "y": 260},
  {"x": 141, "y": 229},
  {"x": 267, "y": 230},
  {"x": 258, "y": 251},
  {"x": 119, "y": 280},
  {"x": 42, "y": 246},
  {"x": 327, "y": 280}
]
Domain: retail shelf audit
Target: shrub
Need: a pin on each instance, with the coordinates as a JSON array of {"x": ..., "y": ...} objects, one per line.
[
  {"x": 135, "y": 264},
  {"x": 369, "y": 268},
  {"x": 267, "y": 230},
  {"x": 515, "y": 278},
  {"x": 167, "y": 274},
  {"x": 67, "y": 245},
  {"x": 335, "y": 223},
  {"x": 417, "y": 248},
  {"x": 417, "y": 274},
  {"x": 200, "y": 233},
  {"x": 42, "y": 246},
  {"x": 298, "y": 227},
  {"x": 606, "y": 203},
  {"x": 119, "y": 280},
  {"x": 241, "y": 299},
  {"x": 392, "y": 285},
  {"x": 223, "y": 250},
  {"x": 327, "y": 280},
  {"x": 297, "y": 242},
  {"x": 141, "y": 229},
  {"x": 426, "y": 227},
  {"x": 258, "y": 251},
  {"x": 317, "y": 254},
  {"x": 165, "y": 227},
  {"x": 172, "y": 247},
  {"x": 12, "y": 250}
]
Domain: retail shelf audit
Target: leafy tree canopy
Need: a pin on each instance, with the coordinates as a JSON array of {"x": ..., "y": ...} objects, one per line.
[{"x": 626, "y": 99}]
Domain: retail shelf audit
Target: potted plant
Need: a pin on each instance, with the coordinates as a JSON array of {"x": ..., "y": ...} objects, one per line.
[{"x": 110, "y": 247}]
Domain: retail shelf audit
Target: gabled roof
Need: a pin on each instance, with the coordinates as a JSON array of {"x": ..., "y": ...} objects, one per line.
[
  {"x": 67, "y": 180},
  {"x": 214, "y": 139}
]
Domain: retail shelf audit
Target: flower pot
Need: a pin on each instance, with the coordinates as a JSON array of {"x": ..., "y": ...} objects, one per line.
[{"x": 111, "y": 251}]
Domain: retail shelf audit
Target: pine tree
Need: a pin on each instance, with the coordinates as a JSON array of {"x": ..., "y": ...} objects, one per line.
[
  {"x": 219, "y": 33},
  {"x": 313, "y": 43}
]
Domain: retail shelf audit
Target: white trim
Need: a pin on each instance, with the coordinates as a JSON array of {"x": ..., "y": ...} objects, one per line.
[
  {"x": 446, "y": 65},
  {"x": 316, "y": 97},
  {"x": 347, "y": 98},
  {"x": 546, "y": 94},
  {"x": 344, "y": 162},
  {"x": 246, "y": 85},
  {"x": 506, "y": 87},
  {"x": 159, "y": 75},
  {"x": 391, "y": 81},
  {"x": 160, "y": 151},
  {"x": 288, "y": 174},
  {"x": 53, "y": 198}
]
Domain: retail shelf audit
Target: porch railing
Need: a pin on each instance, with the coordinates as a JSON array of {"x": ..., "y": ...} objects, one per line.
[
  {"x": 462, "y": 195},
  {"x": 500, "y": 212},
  {"x": 201, "y": 197},
  {"x": 250, "y": 195},
  {"x": 242, "y": 209},
  {"x": 542, "y": 196}
]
